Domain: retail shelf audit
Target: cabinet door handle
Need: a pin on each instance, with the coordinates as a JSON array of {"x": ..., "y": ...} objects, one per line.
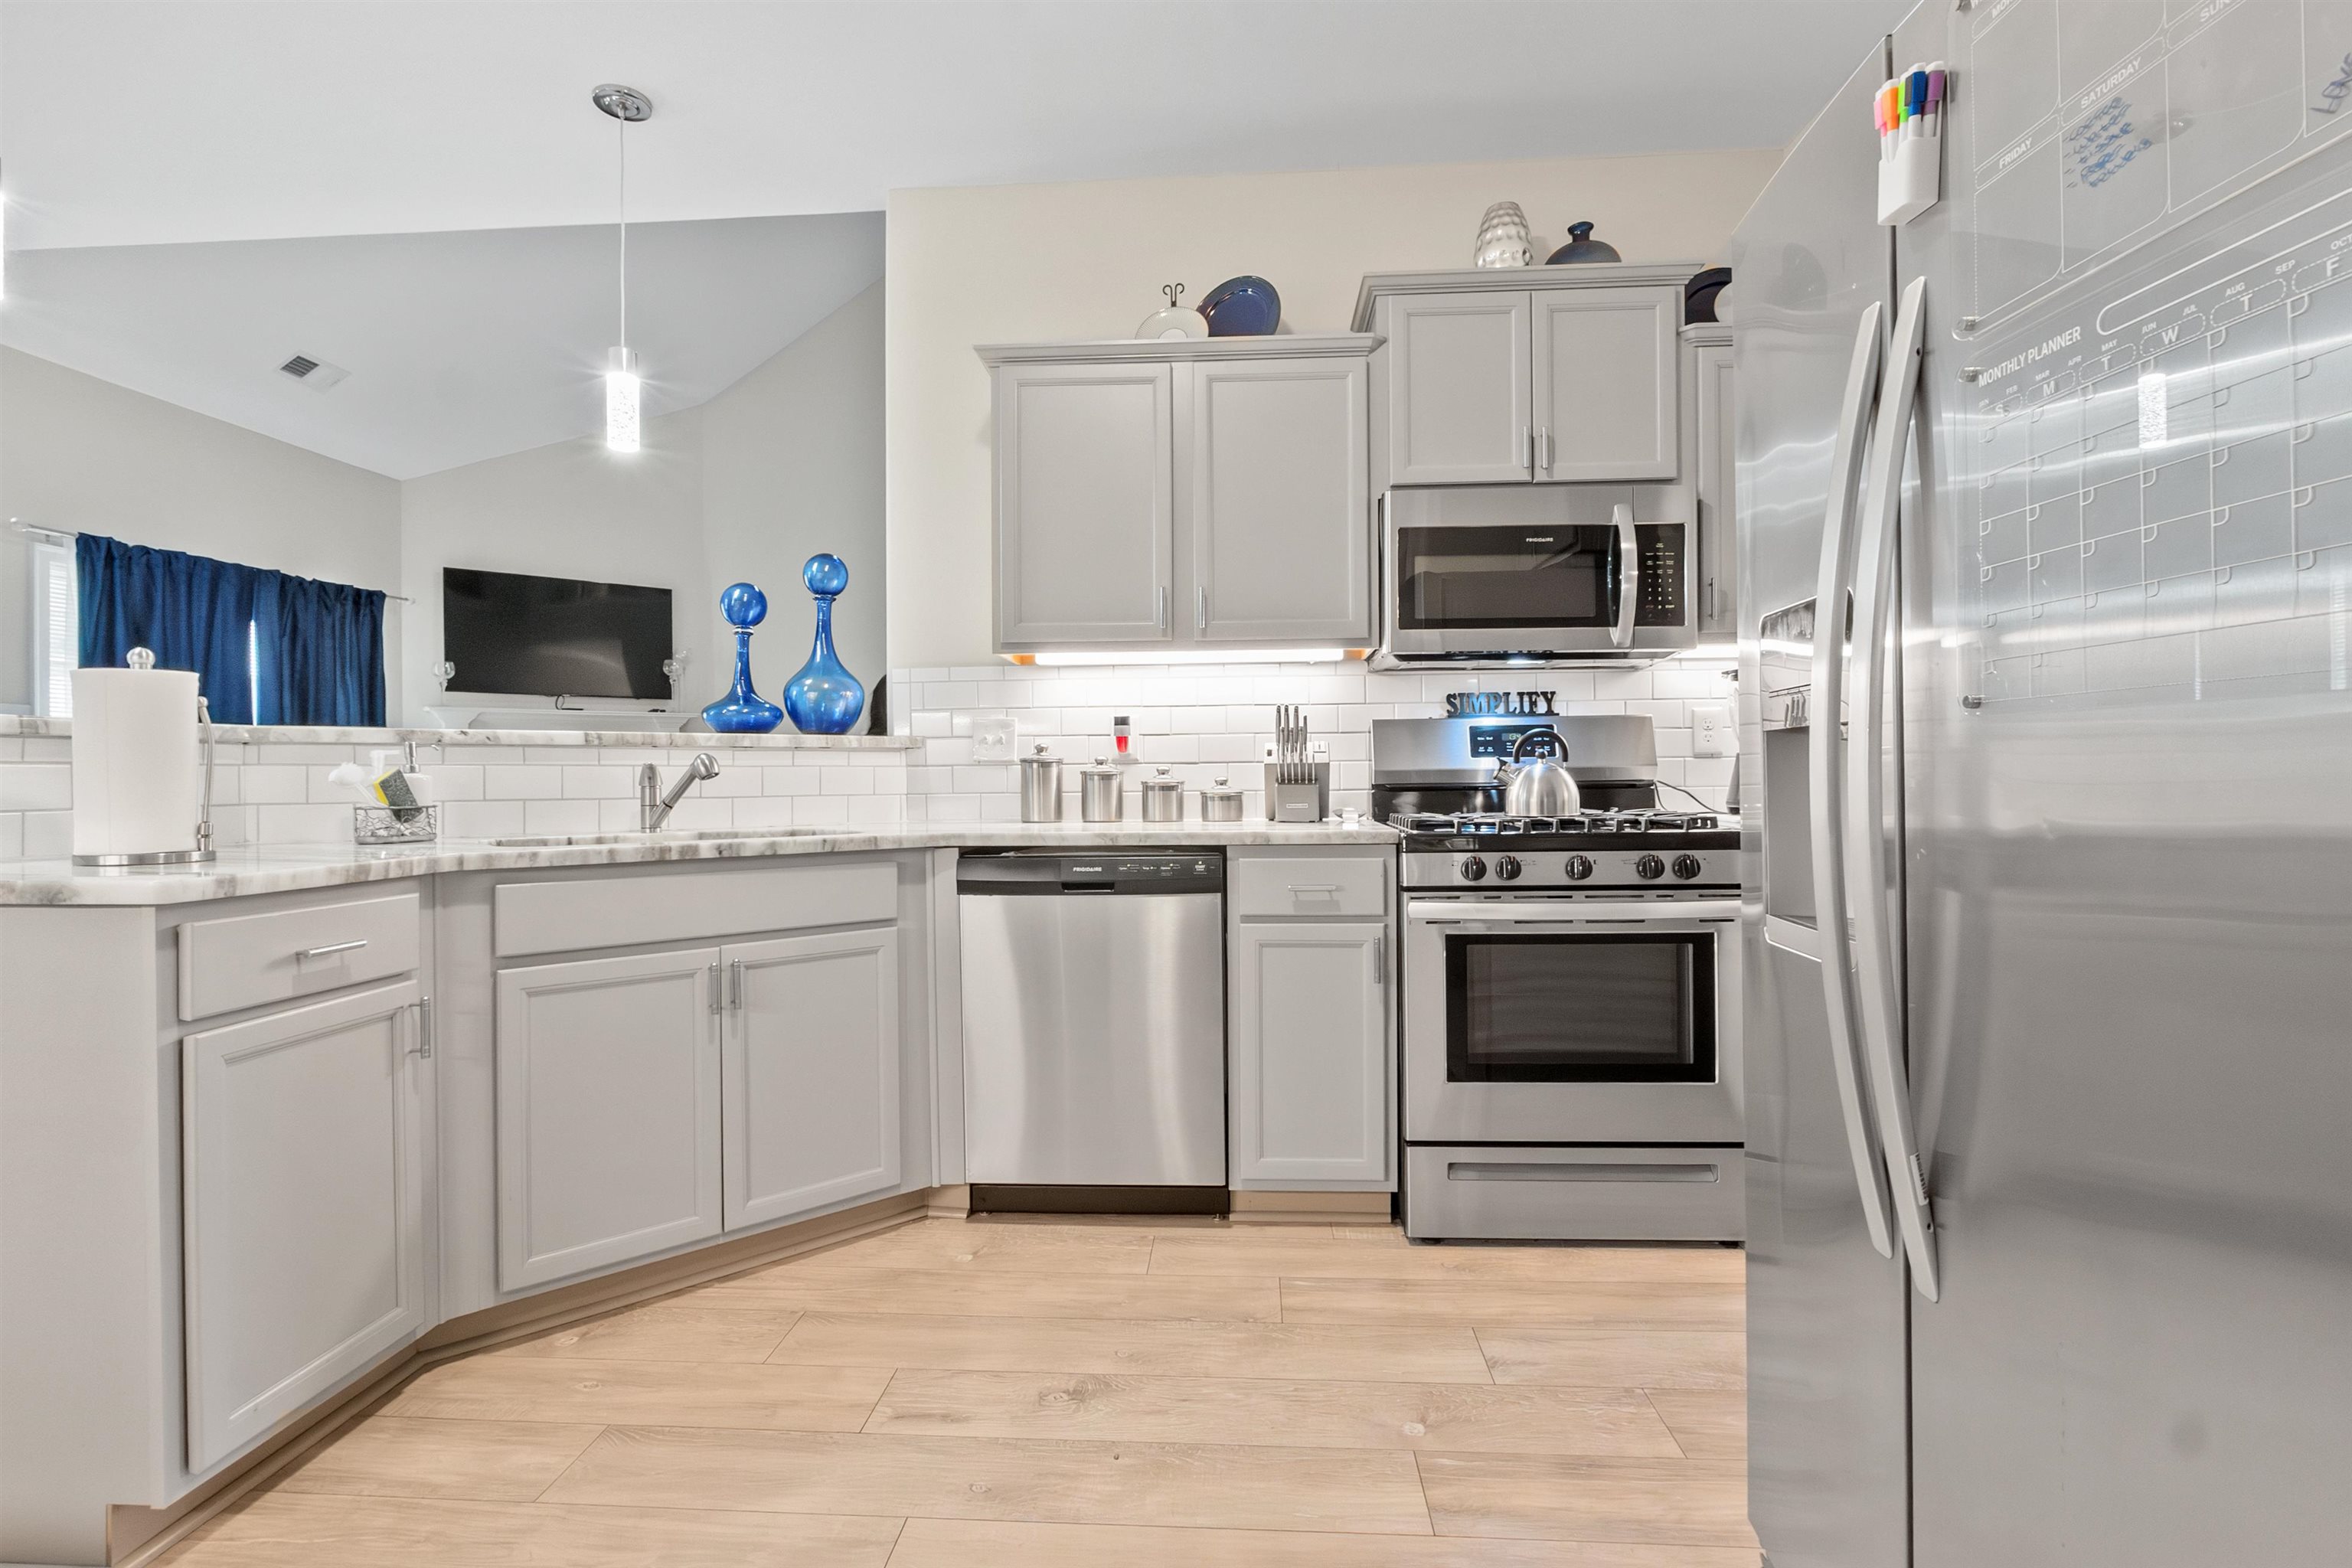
[
  {"x": 1379, "y": 961},
  {"x": 1527, "y": 447},
  {"x": 1543, "y": 448},
  {"x": 331, "y": 947},
  {"x": 1163, "y": 607},
  {"x": 1201, "y": 608},
  {"x": 424, "y": 1046},
  {"x": 718, "y": 990},
  {"x": 735, "y": 984}
]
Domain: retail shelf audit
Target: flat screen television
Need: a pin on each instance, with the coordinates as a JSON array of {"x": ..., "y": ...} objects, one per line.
[{"x": 555, "y": 637}]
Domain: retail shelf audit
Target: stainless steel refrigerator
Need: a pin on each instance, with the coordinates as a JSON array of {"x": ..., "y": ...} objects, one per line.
[{"x": 2046, "y": 505}]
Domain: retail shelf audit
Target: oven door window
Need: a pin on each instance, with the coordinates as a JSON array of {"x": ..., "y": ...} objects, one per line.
[
  {"x": 1458, "y": 578},
  {"x": 1581, "y": 1008}
]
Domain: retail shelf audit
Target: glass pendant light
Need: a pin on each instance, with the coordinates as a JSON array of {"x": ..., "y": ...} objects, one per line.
[{"x": 627, "y": 106}]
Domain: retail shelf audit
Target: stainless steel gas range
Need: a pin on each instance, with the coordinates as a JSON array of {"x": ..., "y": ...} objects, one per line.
[{"x": 1571, "y": 1015}]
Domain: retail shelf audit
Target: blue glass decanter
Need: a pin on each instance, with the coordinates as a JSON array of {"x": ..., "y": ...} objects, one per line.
[
  {"x": 743, "y": 711},
  {"x": 824, "y": 699}
]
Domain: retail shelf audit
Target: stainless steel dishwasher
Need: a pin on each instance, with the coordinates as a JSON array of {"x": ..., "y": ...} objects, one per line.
[{"x": 1094, "y": 1029}]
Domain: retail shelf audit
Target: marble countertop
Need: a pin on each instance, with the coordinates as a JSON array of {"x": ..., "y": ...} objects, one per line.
[
  {"x": 351, "y": 735},
  {"x": 286, "y": 867}
]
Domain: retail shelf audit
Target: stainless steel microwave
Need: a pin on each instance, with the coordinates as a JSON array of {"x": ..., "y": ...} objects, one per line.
[{"x": 1536, "y": 574}]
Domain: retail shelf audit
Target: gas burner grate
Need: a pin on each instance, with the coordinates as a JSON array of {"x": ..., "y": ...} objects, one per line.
[{"x": 1477, "y": 826}]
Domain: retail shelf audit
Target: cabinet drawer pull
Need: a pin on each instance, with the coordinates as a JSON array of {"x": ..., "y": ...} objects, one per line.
[
  {"x": 331, "y": 947},
  {"x": 1312, "y": 887}
]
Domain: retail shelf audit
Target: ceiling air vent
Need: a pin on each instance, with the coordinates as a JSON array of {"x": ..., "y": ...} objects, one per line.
[{"x": 315, "y": 374}]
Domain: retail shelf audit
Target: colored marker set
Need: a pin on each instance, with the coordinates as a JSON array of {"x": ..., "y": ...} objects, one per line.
[{"x": 1909, "y": 112}]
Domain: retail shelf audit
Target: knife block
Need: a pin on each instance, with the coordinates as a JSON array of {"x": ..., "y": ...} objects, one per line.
[{"x": 1307, "y": 802}]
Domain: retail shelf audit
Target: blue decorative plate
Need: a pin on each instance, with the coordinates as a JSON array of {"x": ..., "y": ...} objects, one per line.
[{"x": 1242, "y": 307}]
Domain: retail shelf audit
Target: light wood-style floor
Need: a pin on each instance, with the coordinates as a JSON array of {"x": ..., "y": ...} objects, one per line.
[{"x": 1017, "y": 1395}]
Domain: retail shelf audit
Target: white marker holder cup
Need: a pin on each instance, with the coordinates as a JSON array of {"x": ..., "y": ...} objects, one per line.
[{"x": 1912, "y": 181}]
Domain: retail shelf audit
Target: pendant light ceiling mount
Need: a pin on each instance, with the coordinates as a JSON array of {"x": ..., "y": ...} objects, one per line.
[
  {"x": 629, "y": 107},
  {"x": 623, "y": 103}
]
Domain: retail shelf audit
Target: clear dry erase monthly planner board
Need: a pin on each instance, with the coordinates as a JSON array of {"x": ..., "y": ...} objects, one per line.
[{"x": 2152, "y": 460}]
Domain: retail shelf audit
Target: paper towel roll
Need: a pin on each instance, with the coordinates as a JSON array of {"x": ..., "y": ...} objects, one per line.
[{"x": 137, "y": 786}]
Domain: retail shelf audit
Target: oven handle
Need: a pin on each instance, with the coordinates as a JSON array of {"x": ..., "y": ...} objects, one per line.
[
  {"x": 1827, "y": 782},
  {"x": 1439, "y": 912}
]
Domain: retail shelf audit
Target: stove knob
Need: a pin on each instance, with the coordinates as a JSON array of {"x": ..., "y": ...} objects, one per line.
[
  {"x": 1474, "y": 868},
  {"x": 1687, "y": 866},
  {"x": 1508, "y": 868},
  {"x": 1649, "y": 867},
  {"x": 1578, "y": 867}
]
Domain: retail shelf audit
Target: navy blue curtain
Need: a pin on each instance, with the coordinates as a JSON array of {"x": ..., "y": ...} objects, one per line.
[
  {"x": 193, "y": 611},
  {"x": 321, "y": 652},
  {"x": 318, "y": 646}
]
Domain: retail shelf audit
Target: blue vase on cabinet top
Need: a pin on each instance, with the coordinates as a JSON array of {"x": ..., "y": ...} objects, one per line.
[
  {"x": 824, "y": 699},
  {"x": 743, "y": 711}
]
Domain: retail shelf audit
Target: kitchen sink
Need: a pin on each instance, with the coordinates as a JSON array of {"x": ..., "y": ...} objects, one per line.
[{"x": 663, "y": 836}]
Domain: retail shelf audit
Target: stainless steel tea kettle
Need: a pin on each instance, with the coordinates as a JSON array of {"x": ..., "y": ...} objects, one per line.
[{"x": 1539, "y": 786}]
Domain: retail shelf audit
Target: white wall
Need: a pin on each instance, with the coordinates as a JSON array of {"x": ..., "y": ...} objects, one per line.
[
  {"x": 572, "y": 509},
  {"x": 791, "y": 465},
  {"x": 86, "y": 455},
  {"x": 1085, "y": 260}
]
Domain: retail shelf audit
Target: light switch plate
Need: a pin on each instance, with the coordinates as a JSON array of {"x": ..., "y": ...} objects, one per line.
[
  {"x": 992, "y": 739},
  {"x": 1711, "y": 730}
]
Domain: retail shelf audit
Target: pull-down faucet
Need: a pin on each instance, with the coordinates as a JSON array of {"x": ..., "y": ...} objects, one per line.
[{"x": 653, "y": 806}]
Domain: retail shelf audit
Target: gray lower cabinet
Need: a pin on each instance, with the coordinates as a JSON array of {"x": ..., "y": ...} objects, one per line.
[
  {"x": 303, "y": 1191},
  {"x": 608, "y": 1112},
  {"x": 811, "y": 1072},
  {"x": 1312, "y": 1073},
  {"x": 1085, "y": 503},
  {"x": 1710, "y": 347},
  {"x": 1277, "y": 497},
  {"x": 1606, "y": 406},
  {"x": 1459, "y": 410}
]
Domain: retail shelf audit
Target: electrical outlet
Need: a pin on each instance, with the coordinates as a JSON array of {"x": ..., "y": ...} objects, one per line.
[
  {"x": 992, "y": 739},
  {"x": 1711, "y": 730}
]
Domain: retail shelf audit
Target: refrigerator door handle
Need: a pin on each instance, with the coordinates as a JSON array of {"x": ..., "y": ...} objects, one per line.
[
  {"x": 1629, "y": 577},
  {"x": 1826, "y": 780},
  {"x": 1867, "y": 868}
]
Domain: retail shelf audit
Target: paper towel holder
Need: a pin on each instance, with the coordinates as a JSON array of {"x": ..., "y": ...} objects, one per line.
[{"x": 144, "y": 658}]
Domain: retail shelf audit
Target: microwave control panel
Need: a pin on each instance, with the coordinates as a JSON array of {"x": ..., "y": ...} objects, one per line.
[{"x": 1661, "y": 547}]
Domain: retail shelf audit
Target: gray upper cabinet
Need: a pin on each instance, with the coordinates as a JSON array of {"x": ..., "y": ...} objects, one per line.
[
  {"x": 811, "y": 1072},
  {"x": 1203, "y": 492},
  {"x": 1606, "y": 406},
  {"x": 608, "y": 1120},
  {"x": 1709, "y": 350},
  {"x": 303, "y": 1208},
  {"x": 1085, "y": 503},
  {"x": 1539, "y": 374},
  {"x": 1460, "y": 408},
  {"x": 1277, "y": 495}
]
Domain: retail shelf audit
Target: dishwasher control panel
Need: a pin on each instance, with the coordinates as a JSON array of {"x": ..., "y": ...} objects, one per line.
[{"x": 1040, "y": 872}]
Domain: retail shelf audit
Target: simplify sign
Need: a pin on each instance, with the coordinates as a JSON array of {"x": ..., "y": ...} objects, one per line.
[{"x": 1501, "y": 704}]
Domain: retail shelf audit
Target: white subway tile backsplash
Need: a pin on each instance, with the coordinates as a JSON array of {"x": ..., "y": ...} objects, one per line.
[
  {"x": 48, "y": 835},
  {"x": 564, "y": 817},
  {"x": 27, "y": 786},
  {"x": 515, "y": 780},
  {"x": 598, "y": 782},
  {"x": 314, "y": 824},
  {"x": 482, "y": 818}
]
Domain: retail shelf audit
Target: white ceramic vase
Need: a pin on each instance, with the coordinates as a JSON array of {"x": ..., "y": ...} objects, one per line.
[{"x": 1503, "y": 238}]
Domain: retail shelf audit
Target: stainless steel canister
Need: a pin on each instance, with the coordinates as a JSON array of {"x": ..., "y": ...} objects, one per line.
[
  {"x": 1221, "y": 802},
  {"x": 1164, "y": 796},
  {"x": 1041, "y": 786},
  {"x": 1101, "y": 795}
]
